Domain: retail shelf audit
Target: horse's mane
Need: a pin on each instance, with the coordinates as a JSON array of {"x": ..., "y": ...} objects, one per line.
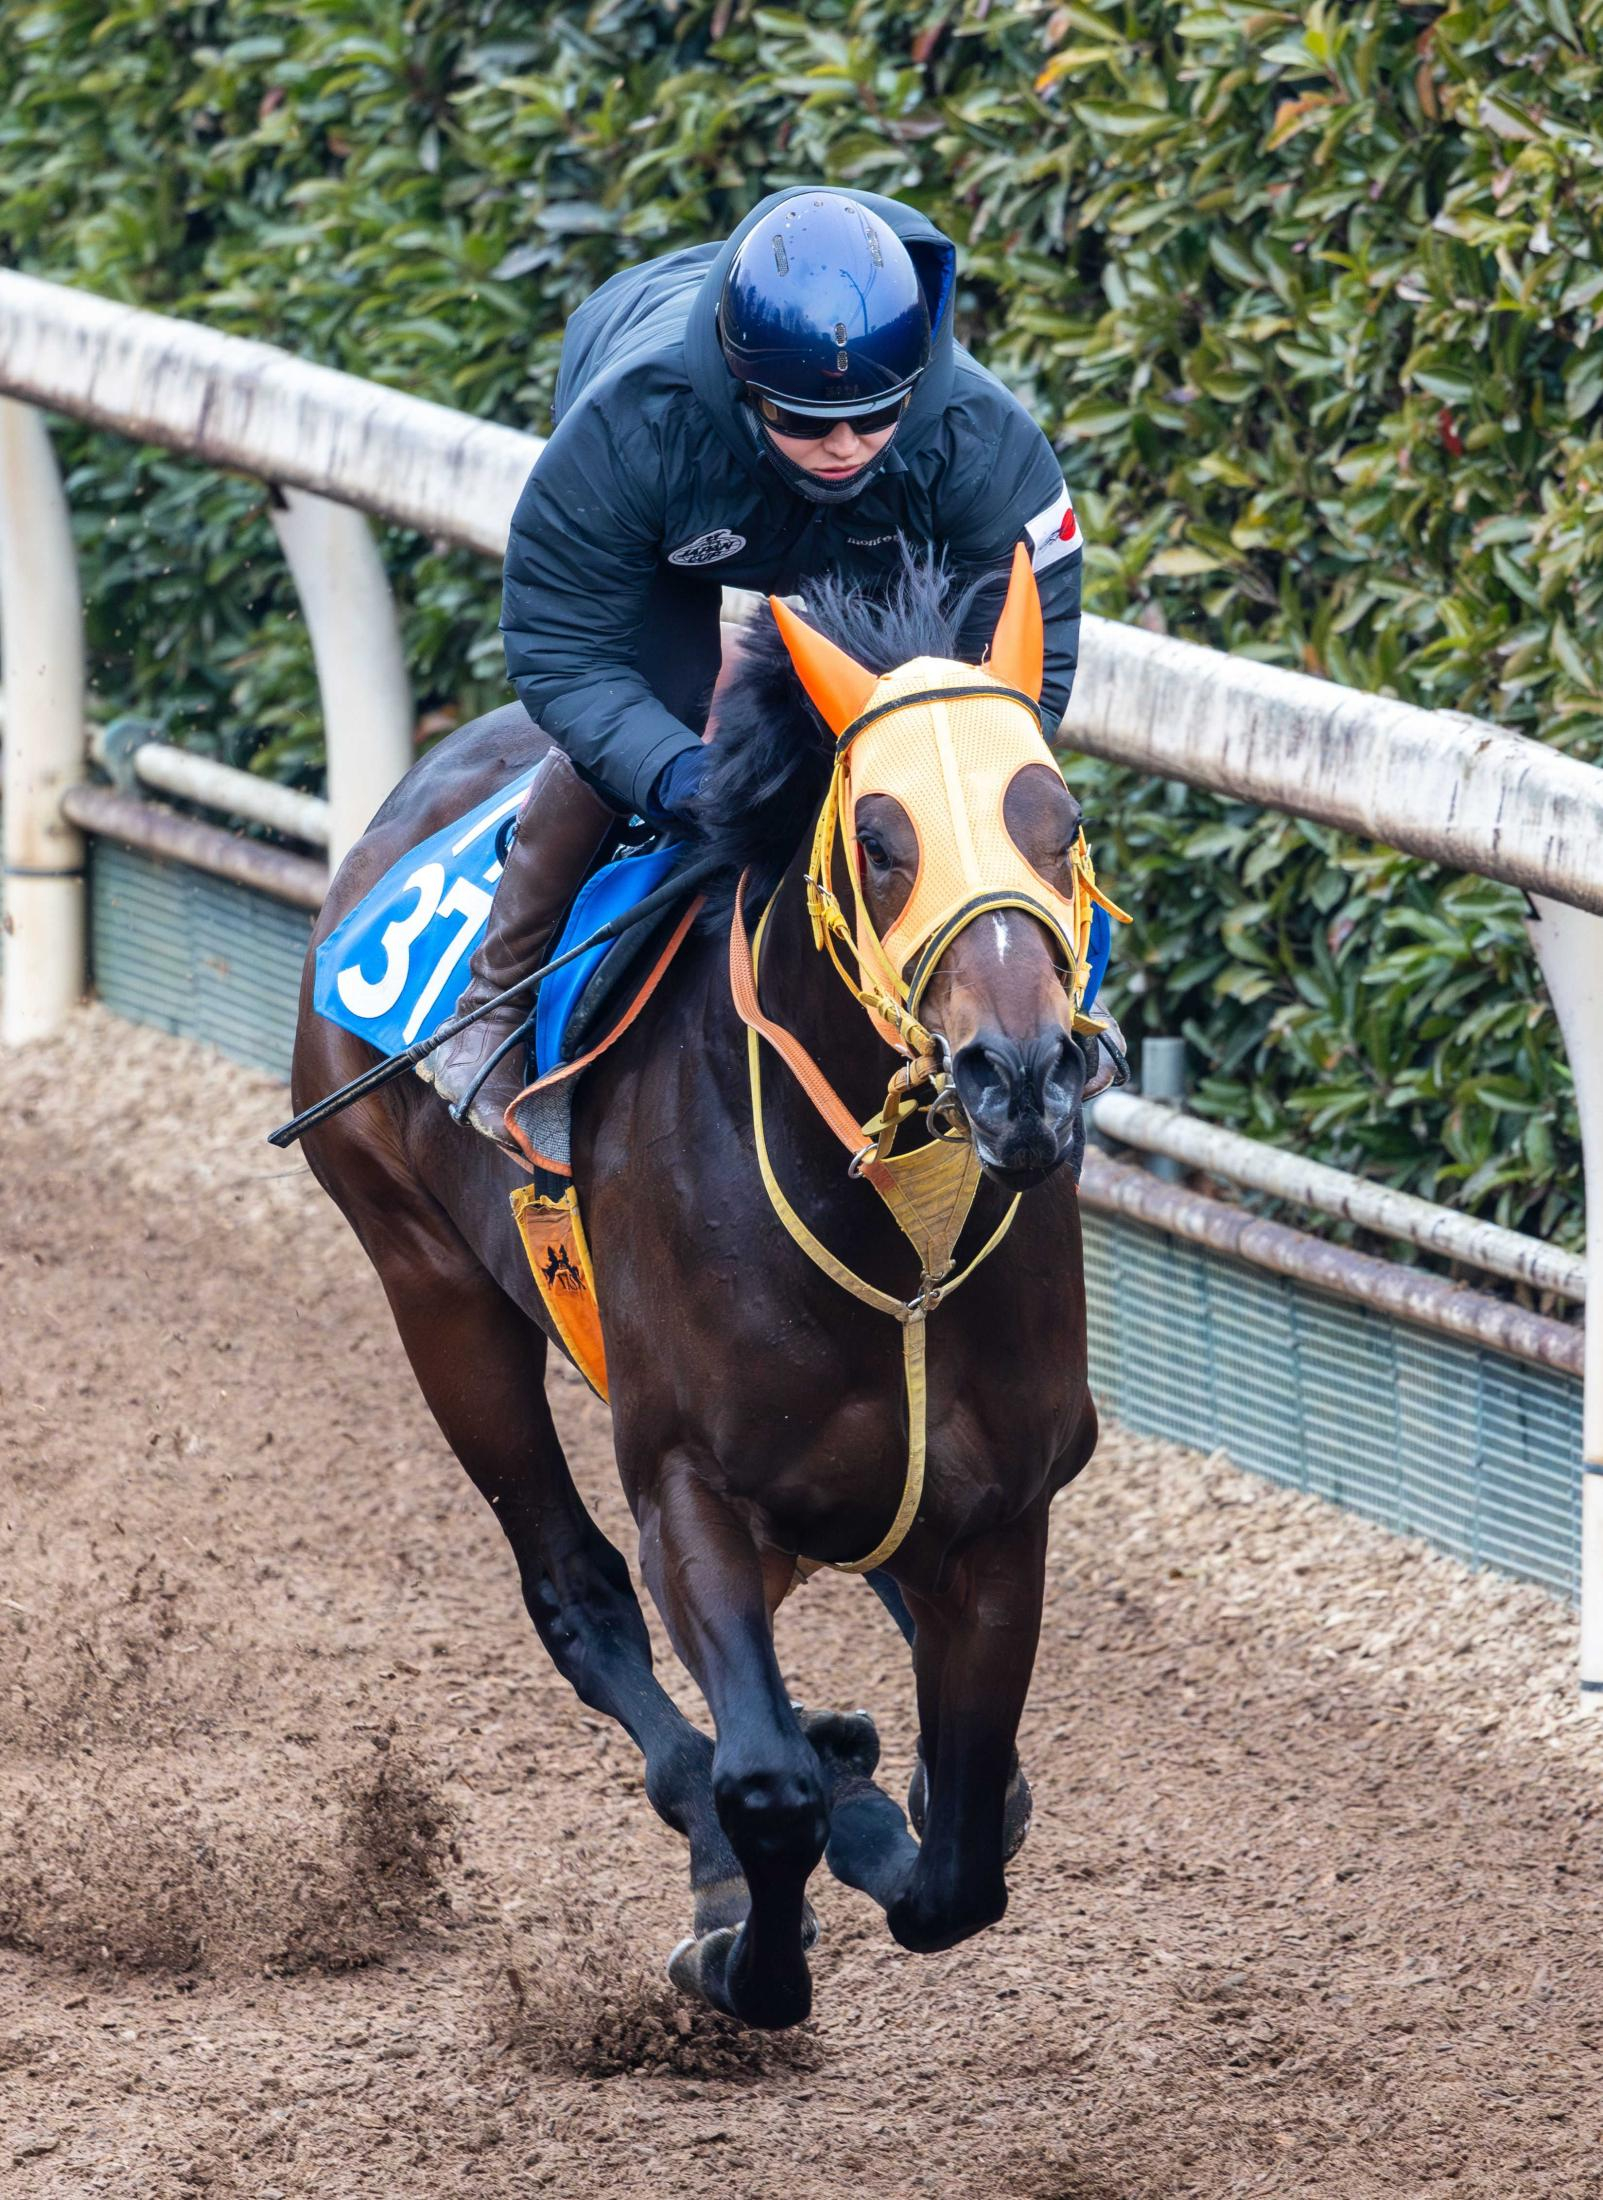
[{"x": 771, "y": 754}]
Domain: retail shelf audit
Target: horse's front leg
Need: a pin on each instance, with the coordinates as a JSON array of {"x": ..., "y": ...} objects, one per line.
[
  {"x": 716, "y": 1596},
  {"x": 973, "y": 1655}
]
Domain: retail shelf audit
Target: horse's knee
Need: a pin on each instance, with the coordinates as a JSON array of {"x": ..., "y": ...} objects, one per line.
[{"x": 774, "y": 1811}]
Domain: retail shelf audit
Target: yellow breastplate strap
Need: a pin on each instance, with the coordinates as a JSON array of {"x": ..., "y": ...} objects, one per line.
[{"x": 929, "y": 1191}]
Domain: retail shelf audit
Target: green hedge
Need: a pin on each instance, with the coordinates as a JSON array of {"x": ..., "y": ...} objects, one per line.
[{"x": 1306, "y": 297}]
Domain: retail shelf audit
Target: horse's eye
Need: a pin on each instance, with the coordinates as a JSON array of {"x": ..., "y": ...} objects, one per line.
[{"x": 875, "y": 850}]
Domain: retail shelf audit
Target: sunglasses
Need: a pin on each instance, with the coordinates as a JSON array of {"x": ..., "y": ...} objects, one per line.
[{"x": 812, "y": 428}]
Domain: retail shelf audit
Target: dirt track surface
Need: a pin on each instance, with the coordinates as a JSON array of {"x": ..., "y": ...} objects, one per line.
[{"x": 315, "y": 1879}]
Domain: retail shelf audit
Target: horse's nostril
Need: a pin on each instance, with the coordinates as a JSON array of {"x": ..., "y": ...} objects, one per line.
[
  {"x": 985, "y": 1074},
  {"x": 1064, "y": 1072},
  {"x": 999, "y": 1080}
]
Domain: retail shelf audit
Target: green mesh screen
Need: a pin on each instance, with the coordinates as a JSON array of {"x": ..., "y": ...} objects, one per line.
[
  {"x": 1477, "y": 1453},
  {"x": 195, "y": 955}
]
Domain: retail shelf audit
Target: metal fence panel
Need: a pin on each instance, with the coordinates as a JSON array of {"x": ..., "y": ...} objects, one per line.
[
  {"x": 1476, "y": 1453},
  {"x": 195, "y": 955}
]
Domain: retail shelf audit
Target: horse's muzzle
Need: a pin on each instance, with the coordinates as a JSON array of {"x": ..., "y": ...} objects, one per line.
[{"x": 1022, "y": 1100}]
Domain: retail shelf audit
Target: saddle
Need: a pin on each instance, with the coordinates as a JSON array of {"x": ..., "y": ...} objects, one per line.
[{"x": 576, "y": 1004}]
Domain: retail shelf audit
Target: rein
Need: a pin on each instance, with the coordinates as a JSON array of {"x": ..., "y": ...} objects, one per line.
[{"x": 914, "y": 1192}]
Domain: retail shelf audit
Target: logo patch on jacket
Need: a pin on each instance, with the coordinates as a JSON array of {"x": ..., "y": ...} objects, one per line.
[
  {"x": 708, "y": 549},
  {"x": 1054, "y": 533}
]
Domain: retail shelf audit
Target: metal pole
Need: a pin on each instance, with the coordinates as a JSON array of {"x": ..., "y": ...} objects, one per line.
[
  {"x": 350, "y": 615},
  {"x": 1163, "y": 1078},
  {"x": 112, "y": 815},
  {"x": 131, "y": 758},
  {"x": 1413, "y": 1295},
  {"x": 41, "y": 626},
  {"x": 1154, "y": 1127},
  {"x": 1569, "y": 946}
]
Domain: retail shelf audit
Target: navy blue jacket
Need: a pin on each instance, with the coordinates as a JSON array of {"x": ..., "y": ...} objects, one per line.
[{"x": 655, "y": 491}]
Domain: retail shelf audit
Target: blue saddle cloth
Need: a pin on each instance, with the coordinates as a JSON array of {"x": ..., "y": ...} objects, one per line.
[
  {"x": 610, "y": 892},
  {"x": 392, "y": 968}
]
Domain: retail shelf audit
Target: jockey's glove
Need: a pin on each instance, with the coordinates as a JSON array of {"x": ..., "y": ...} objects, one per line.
[{"x": 679, "y": 782}]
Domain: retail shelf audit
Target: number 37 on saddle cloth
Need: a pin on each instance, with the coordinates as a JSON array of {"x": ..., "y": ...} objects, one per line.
[{"x": 391, "y": 971}]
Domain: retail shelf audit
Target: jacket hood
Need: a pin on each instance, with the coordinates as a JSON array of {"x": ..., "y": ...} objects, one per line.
[{"x": 935, "y": 258}]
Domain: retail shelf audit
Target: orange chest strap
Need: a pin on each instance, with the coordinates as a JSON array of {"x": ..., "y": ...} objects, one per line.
[{"x": 813, "y": 1082}]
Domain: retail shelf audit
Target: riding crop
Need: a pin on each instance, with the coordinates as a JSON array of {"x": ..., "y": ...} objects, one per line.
[{"x": 396, "y": 1065}]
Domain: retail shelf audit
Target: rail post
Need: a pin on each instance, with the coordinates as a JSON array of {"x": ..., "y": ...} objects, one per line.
[
  {"x": 356, "y": 642},
  {"x": 1163, "y": 1078},
  {"x": 1569, "y": 946},
  {"x": 41, "y": 627}
]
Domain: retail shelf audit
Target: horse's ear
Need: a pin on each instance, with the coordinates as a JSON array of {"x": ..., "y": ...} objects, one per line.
[
  {"x": 1018, "y": 647},
  {"x": 838, "y": 684}
]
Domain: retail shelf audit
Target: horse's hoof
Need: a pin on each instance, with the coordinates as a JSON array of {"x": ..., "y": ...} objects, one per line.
[
  {"x": 700, "y": 1967},
  {"x": 1017, "y": 1812},
  {"x": 845, "y": 1742},
  {"x": 726, "y": 1902},
  {"x": 704, "y": 1968}
]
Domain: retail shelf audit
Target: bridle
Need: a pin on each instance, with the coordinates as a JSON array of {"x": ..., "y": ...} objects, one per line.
[
  {"x": 930, "y": 1190},
  {"x": 891, "y": 998},
  {"x": 930, "y": 1215}
]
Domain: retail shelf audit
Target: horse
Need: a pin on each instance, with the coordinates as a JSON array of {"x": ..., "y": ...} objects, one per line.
[{"x": 761, "y": 1415}]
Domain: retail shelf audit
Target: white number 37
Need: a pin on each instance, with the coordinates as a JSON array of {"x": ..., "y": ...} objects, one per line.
[{"x": 373, "y": 997}]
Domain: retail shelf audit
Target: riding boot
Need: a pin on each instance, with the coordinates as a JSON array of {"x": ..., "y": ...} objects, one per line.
[{"x": 560, "y": 828}]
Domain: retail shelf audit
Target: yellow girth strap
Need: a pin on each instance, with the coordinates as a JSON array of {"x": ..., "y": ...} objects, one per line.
[{"x": 911, "y": 1313}]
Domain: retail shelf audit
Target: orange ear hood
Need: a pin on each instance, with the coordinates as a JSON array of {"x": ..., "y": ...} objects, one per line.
[
  {"x": 1018, "y": 647},
  {"x": 838, "y": 684}
]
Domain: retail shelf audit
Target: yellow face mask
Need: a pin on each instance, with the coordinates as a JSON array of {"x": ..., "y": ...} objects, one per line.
[{"x": 946, "y": 741}]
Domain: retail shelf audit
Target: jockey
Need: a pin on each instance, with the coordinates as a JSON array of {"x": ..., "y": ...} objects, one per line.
[{"x": 760, "y": 413}]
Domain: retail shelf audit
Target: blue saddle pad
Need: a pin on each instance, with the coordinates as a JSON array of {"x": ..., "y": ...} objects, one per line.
[
  {"x": 393, "y": 966},
  {"x": 610, "y": 892}
]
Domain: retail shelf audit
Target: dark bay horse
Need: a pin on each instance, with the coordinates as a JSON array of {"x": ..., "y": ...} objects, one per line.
[{"x": 759, "y": 1411}]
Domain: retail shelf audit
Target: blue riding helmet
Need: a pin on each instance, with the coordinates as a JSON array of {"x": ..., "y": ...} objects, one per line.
[{"x": 823, "y": 314}]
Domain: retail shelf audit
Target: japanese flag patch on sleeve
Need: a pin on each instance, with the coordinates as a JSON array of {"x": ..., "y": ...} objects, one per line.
[{"x": 1054, "y": 533}]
